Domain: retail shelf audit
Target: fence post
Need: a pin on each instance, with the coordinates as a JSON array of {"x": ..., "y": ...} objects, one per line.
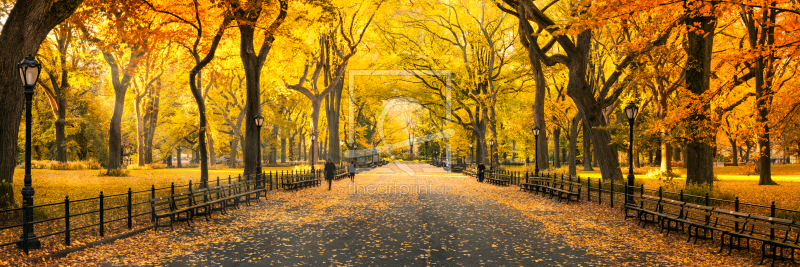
[
  {"x": 641, "y": 191},
  {"x": 681, "y": 194},
  {"x": 229, "y": 179},
  {"x": 772, "y": 214},
  {"x": 153, "y": 191},
  {"x": 102, "y": 227},
  {"x": 600, "y": 190},
  {"x": 706, "y": 198},
  {"x": 589, "y": 190},
  {"x": 217, "y": 180},
  {"x": 190, "y": 185},
  {"x": 736, "y": 209},
  {"x": 659, "y": 193},
  {"x": 66, "y": 221},
  {"x": 772, "y": 209},
  {"x": 130, "y": 204},
  {"x": 612, "y": 193},
  {"x": 270, "y": 181},
  {"x": 172, "y": 188}
]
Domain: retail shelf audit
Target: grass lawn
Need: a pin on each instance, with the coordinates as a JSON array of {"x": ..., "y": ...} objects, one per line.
[
  {"x": 730, "y": 180},
  {"x": 53, "y": 185}
]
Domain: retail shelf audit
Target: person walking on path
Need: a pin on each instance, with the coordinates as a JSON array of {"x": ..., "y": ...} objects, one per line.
[
  {"x": 481, "y": 169},
  {"x": 352, "y": 169},
  {"x": 330, "y": 170}
]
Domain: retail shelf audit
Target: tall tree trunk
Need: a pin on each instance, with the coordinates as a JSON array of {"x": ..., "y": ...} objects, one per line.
[
  {"x": 24, "y": 29},
  {"x": 587, "y": 149},
  {"x": 734, "y": 151},
  {"x": 573, "y": 145},
  {"x": 212, "y": 155},
  {"x": 61, "y": 152},
  {"x": 180, "y": 157},
  {"x": 234, "y": 151},
  {"x": 152, "y": 123},
  {"x": 333, "y": 103},
  {"x": 247, "y": 17},
  {"x": 556, "y": 147},
  {"x": 666, "y": 154},
  {"x": 699, "y": 44},
  {"x": 273, "y": 147},
  {"x": 763, "y": 35},
  {"x": 283, "y": 149},
  {"x": 676, "y": 153}
]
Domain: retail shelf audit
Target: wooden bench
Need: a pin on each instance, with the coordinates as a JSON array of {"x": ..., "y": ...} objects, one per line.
[
  {"x": 776, "y": 235},
  {"x": 301, "y": 181},
  {"x": 535, "y": 184},
  {"x": 217, "y": 199},
  {"x": 172, "y": 207},
  {"x": 779, "y": 237},
  {"x": 648, "y": 211},
  {"x": 565, "y": 190}
]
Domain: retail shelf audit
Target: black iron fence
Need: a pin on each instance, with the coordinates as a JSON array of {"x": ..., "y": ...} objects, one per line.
[
  {"x": 80, "y": 221},
  {"x": 613, "y": 193}
]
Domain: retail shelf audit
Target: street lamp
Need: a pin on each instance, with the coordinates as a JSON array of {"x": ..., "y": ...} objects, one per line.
[
  {"x": 259, "y": 120},
  {"x": 630, "y": 110},
  {"x": 313, "y": 140},
  {"x": 29, "y": 70},
  {"x": 491, "y": 154},
  {"x": 536, "y": 150}
]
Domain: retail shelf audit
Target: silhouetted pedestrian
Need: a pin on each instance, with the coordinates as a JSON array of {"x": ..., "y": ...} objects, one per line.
[
  {"x": 330, "y": 171},
  {"x": 352, "y": 170},
  {"x": 481, "y": 169}
]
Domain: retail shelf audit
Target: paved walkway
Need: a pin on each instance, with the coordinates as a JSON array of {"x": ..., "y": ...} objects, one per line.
[
  {"x": 402, "y": 220},
  {"x": 414, "y": 215}
]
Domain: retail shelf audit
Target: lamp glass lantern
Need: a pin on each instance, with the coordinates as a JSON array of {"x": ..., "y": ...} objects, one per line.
[
  {"x": 29, "y": 70},
  {"x": 631, "y": 110},
  {"x": 259, "y": 120}
]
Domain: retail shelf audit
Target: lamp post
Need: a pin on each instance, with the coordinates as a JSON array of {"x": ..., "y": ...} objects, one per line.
[
  {"x": 630, "y": 110},
  {"x": 491, "y": 154},
  {"x": 536, "y": 150},
  {"x": 259, "y": 120},
  {"x": 29, "y": 70},
  {"x": 313, "y": 160}
]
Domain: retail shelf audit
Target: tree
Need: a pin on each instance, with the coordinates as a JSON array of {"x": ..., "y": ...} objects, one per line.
[
  {"x": 56, "y": 85},
  {"x": 246, "y": 15},
  {"x": 233, "y": 103},
  {"x": 331, "y": 62},
  {"x": 147, "y": 99},
  {"x": 195, "y": 78},
  {"x": 26, "y": 26},
  {"x": 577, "y": 59}
]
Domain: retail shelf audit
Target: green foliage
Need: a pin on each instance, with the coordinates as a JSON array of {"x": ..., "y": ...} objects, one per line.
[
  {"x": 152, "y": 166},
  {"x": 790, "y": 215},
  {"x": 695, "y": 193},
  {"x": 116, "y": 173},
  {"x": 667, "y": 176},
  {"x": 90, "y": 164}
]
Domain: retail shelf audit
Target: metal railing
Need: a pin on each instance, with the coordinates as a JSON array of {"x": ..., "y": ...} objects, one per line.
[{"x": 83, "y": 220}]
